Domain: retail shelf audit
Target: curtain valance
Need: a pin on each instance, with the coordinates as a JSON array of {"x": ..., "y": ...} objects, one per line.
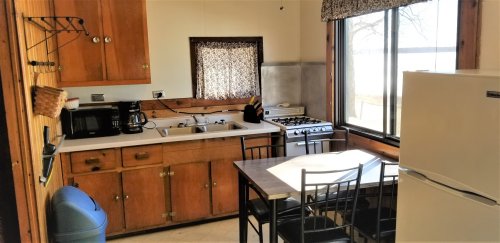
[{"x": 339, "y": 9}]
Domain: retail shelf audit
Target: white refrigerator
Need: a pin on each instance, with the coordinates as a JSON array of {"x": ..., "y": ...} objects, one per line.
[{"x": 449, "y": 184}]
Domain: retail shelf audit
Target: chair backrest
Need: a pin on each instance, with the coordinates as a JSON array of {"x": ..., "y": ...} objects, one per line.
[
  {"x": 264, "y": 146},
  {"x": 339, "y": 141},
  {"x": 338, "y": 186},
  {"x": 387, "y": 195}
]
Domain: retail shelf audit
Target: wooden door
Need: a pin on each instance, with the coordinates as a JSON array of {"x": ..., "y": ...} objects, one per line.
[
  {"x": 224, "y": 187},
  {"x": 105, "y": 188},
  {"x": 81, "y": 57},
  {"x": 144, "y": 197},
  {"x": 190, "y": 191},
  {"x": 126, "y": 40}
]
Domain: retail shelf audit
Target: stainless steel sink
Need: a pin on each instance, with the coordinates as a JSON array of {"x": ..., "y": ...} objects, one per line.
[{"x": 168, "y": 131}]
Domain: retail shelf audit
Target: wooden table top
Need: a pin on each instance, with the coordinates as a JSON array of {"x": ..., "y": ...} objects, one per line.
[{"x": 280, "y": 177}]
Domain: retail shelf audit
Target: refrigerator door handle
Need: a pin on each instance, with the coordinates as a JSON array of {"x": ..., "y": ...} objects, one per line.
[{"x": 463, "y": 193}]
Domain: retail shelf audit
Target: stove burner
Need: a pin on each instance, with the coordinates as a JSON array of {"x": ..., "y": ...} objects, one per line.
[{"x": 295, "y": 121}]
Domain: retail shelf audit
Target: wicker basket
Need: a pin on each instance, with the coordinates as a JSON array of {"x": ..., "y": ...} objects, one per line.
[{"x": 49, "y": 101}]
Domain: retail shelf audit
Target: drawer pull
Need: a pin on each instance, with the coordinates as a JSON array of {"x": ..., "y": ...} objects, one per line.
[
  {"x": 92, "y": 160},
  {"x": 142, "y": 156}
]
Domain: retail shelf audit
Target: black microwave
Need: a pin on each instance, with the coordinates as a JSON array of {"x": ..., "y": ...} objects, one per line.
[{"x": 88, "y": 122}]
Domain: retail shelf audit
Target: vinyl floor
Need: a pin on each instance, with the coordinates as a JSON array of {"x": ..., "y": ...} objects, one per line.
[{"x": 214, "y": 232}]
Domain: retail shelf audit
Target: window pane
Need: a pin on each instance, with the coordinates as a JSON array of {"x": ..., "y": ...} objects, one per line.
[
  {"x": 426, "y": 41},
  {"x": 364, "y": 71}
]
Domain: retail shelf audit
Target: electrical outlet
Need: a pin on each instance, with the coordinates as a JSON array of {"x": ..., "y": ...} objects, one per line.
[
  {"x": 157, "y": 94},
  {"x": 97, "y": 97}
]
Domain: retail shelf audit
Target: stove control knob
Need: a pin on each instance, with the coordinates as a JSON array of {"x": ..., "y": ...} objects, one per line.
[
  {"x": 316, "y": 129},
  {"x": 296, "y": 132},
  {"x": 323, "y": 129}
]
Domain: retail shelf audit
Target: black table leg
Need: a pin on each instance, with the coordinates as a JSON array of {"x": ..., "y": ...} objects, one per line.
[
  {"x": 243, "y": 215},
  {"x": 273, "y": 234}
]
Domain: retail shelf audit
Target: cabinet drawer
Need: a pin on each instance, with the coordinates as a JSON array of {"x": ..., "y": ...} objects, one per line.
[
  {"x": 95, "y": 160},
  {"x": 142, "y": 155}
]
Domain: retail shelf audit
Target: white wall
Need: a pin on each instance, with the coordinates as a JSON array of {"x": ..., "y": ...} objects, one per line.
[
  {"x": 172, "y": 22},
  {"x": 489, "y": 49}
]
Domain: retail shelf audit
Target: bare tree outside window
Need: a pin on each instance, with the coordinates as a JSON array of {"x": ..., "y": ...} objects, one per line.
[{"x": 380, "y": 46}]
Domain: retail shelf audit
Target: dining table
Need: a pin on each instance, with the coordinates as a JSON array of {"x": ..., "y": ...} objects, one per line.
[{"x": 280, "y": 177}]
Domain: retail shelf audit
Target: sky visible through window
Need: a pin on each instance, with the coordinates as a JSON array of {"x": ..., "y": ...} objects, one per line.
[{"x": 427, "y": 35}]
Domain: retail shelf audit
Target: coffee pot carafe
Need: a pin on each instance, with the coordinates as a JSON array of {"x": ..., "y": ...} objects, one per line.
[{"x": 131, "y": 116}]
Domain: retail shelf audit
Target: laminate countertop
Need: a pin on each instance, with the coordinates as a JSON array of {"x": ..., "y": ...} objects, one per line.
[{"x": 152, "y": 136}]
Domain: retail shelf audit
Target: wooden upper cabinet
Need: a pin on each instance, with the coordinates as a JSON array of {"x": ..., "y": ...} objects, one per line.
[{"x": 116, "y": 51}]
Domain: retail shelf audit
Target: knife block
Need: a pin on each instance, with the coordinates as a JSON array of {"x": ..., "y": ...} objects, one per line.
[{"x": 250, "y": 114}]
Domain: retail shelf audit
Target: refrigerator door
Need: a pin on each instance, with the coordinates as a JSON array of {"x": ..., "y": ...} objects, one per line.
[
  {"x": 450, "y": 129},
  {"x": 428, "y": 212}
]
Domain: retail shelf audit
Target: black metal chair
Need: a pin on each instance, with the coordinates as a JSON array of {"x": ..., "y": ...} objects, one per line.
[
  {"x": 379, "y": 223},
  {"x": 339, "y": 139},
  {"x": 321, "y": 226},
  {"x": 275, "y": 146}
]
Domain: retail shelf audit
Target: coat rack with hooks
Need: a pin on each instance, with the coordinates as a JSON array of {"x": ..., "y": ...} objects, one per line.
[{"x": 51, "y": 26}]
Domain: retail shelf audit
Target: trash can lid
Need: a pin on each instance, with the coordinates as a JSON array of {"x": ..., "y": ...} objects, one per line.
[{"x": 75, "y": 214}]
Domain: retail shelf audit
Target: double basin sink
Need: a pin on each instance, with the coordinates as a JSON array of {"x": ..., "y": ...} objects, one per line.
[{"x": 228, "y": 126}]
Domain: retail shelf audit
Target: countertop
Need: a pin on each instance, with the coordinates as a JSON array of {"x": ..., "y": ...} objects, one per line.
[{"x": 152, "y": 136}]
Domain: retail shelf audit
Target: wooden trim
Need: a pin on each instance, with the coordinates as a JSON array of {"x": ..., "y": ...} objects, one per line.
[
  {"x": 103, "y": 83},
  {"x": 329, "y": 71},
  {"x": 356, "y": 141},
  {"x": 190, "y": 102},
  {"x": 468, "y": 34},
  {"x": 17, "y": 124}
]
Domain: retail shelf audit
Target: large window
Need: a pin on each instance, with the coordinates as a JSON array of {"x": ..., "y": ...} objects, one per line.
[{"x": 375, "y": 49}]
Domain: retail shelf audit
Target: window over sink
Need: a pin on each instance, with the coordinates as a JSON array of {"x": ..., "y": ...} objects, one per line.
[{"x": 226, "y": 67}]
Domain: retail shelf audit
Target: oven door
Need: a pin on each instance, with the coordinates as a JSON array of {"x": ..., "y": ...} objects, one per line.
[{"x": 297, "y": 146}]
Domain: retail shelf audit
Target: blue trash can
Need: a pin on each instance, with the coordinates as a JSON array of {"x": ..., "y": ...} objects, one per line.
[{"x": 77, "y": 217}]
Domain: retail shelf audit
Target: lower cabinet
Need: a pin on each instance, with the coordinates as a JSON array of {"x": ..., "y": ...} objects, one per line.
[
  {"x": 205, "y": 183},
  {"x": 190, "y": 191},
  {"x": 106, "y": 189},
  {"x": 144, "y": 197},
  {"x": 150, "y": 186},
  {"x": 124, "y": 198}
]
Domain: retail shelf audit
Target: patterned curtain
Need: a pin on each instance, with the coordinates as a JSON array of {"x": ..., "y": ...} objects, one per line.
[
  {"x": 339, "y": 9},
  {"x": 227, "y": 70}
]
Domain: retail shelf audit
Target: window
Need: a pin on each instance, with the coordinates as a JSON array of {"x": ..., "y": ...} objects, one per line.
[
  {"x": 226, "y": 67},
  {"x": 375, "y": 49}
]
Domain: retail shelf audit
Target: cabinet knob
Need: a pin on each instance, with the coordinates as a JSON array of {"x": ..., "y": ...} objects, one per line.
[
  {"x": 145, "y": 66},
  {"x": 215, "y": 183},
  {"x": 107, "y": 39},
  {"x": 117, "y": 197},
  {"x": 126, "y": 197},
  {"x": 206, "y": 186},
  {"x": 96, "y": 39}
]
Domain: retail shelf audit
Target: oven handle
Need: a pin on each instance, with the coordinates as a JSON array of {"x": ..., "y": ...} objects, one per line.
[{"x": 301, "y": 144}]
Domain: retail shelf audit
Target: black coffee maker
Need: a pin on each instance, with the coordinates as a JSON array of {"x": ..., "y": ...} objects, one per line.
[{"x": 132, "y": 119}]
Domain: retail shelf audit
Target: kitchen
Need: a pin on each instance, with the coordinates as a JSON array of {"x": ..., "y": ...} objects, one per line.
[{"x": 288, "y": 47}]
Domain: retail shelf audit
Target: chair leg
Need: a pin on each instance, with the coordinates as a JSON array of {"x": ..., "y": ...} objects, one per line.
[{"x": 261, "y": 234}]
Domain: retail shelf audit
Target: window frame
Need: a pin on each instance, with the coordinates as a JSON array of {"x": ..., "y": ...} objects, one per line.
[
  {"x": 250, "y": 39},
  {"x": 466, "y": 47}
]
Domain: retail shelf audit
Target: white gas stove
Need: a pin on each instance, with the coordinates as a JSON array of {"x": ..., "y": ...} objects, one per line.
[{"x": 293, "y": 122}]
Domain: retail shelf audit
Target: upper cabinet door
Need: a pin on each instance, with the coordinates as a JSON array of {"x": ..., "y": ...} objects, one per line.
[
  {"x": 125, "y": 39},
  {"x": 116, "y": 51},
  {"x": 81, "y": 58}
]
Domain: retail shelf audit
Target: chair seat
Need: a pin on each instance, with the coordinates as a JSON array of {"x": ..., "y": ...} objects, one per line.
[
  {"x": 289, "y": 230},
  {"x": 260, "y": 210},
  {"x": 366, "y": 222}
]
